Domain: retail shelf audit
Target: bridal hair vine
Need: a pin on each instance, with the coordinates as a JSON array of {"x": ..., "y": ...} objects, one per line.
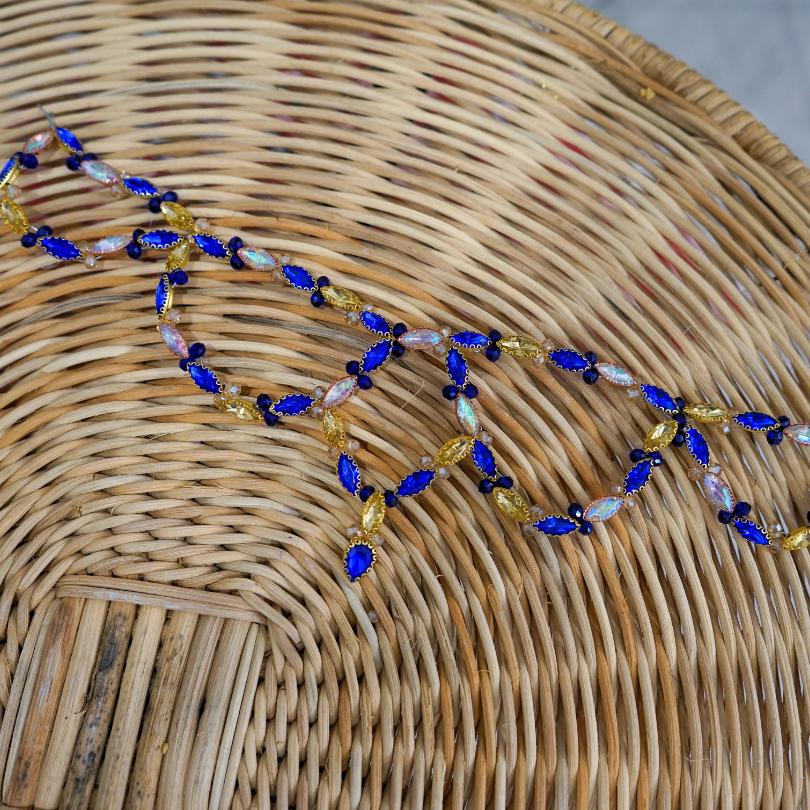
[{"x": 681, "y": 422}]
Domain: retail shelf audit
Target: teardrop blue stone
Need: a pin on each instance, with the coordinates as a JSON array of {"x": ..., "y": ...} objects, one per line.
[
  {"x": 139, "y": 187},
  {"x": 556, "y": 525},
  {"x": 659, "y": 398},
  {"x": 697, "y": 446},
  {"x": 61, "y": 249},
  {"x": 375, "y": 323},
  {"x": 348, "y": 474},
  {"x": 470, "y": 340},
  {"x": 457, "y": 367},
  {"x": 568, "y": 360},
  {"x": 637, "y": 476},
  {"x": 211, "y": 246},
  {"x": 358, "y": 560},
  {"x": 159, "y": 240},
  {"x": 69, "y": 140},
  {"x": 293, "y": 404},
  {"x": 7, "y": 169},
  {"x": 376, "y": 355},
  {"x": 755, "y": 421},
  {"x": 204, "y": 378},
  {"x": 483, "y": 459},
  {"x": 751, "y": 531},
  {"x": 415, "y": 483},
  {"x": 298, "y": 277},
  {"x": 162, "y": 294}
]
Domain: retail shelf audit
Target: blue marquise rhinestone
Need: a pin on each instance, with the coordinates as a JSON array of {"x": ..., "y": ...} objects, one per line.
[
  {"x": 470, "y": 340},
  {"x": 68, "y": 140},
  {"x": 139, "y": 187},
  {"x": 348, "y": 473},
  {"x": 162, "y": 293},
  {"x": 415, "y": 483},
  {"x": 457, "y": 367},
  {"x": 358, "y": 560},
  {"x": 753, "y": 420},
  {"x": 556, "y": 525},
  {"x": 159, "y": 240},
  {"x": 211, "y": 246},
  {"x": 376, "y": 355},
  {"x": 298, "y": 277},
  {"x": 750, "y": 531},
  {"x": 375, "y": 323},
  {"x": 204, "y": 378},
  {"x": 62, "y": 249},
  {"x": 9, "y": 167},
  {"x": 483, "y": 459},
  {"x": 568, "y": 360},
  {"x": 659, "y": 398},
  {"x": 697, "y": 446},
  {"x": 293, "y": 404},
  {"x": 637, "y": 477}
]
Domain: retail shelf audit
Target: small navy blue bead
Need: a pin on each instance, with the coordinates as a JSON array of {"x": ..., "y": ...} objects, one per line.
[
  {"x": 450, "y": 392},
  {"x": 586, "y": 527},
  {"x": 236, "y": 262},
  {"x": 783, "y": 421},
  {"x": 366, "y": 492},
  {"x": 196, "y": 350},
  {"x": 774, "y": 437},
  {"x": 352, "y": 367},
  {"x": 322, "y": 281},
  {"x": 270, "y": 418},
  {"x": 492, "y": 353},
  {"x": 680, "y": 402},
  {"x": 637, "y": 454},
  {"x": 28, "y": 161},
  {"x": 44, "y": 231},
  {"x": 742, "y": 508},
  {"x": 724, "y": 516},
  {"x": 495, "y": 335},
  {"x": 183, "y": 364},
  {"x": 317, "y": 299},
  {"x": 657, "y": 459},
  {"x": 391, "y": 499},
  {"x": 576, "y": 511},
  {"x": 808, "y": 517},
  {"x": 486, "y": 486},
  {"x": 28, "y": 240},
  {"x": 364, "y": 382},
  {"x": 88, "y": 156},
  {"x": 169, "y": 196},
  {"x": 73, "y": 163},
  {"x": 471, "y": 391},
  {"x": 134, "y": 250},
  {"x": 263, "y": 401},
  {"x": 680, "y": 418},
  {"x": 504, "y": 482},
  {"x": 137, "y": 234},
  {"x": 397, "y": 350},
  {"x": 590, "y": 376},
  {"x": 590, "y": 357},
  {"x": 154, "y": 205},
  {"x": 234, "y": 243},
  {"x": 178, "y": 277},
  {"x": 399, "y": 329},
  {"x": 679, "y": 439}
]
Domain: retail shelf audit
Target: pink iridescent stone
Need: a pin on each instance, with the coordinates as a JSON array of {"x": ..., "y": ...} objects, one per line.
[
  {"x": 421, "y": 338},
  {"x": 257, "y": 258},
  {"x": 717, "y": 491},
  {"x": 107, "y": 245},
  {"x": 36, "y": 143},
  {"x": 604, "y": 508},
  {"x": 100, "y": 172},
  {"x": 173, "y": 339},
  {"x": 798, "y": 433},
  {"x": 615, "y": 374},
  {"x": 339, "y": 392}
]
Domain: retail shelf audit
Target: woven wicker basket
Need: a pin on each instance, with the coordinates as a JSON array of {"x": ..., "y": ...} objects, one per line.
[{"x": 176, "y": 631}]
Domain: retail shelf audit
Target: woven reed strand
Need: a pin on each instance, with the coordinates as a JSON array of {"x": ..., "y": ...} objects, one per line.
[{"x": 175, "y": 627}]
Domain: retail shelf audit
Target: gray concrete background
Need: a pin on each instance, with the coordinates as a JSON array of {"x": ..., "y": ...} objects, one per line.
[{"x": 758, "y": 51}]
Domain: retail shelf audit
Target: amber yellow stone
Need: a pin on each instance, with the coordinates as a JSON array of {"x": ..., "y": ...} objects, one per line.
[
  {"x": 13, "y": 216},
  {"x": 178, "y": 256},
  {"x": 797, "y": 539},
  {"x": 511, "y": 503},
  {"x": 238, "y": 407},
  {"x": 702, "y": 412},
  {"x": 342, "y": 298},
  {"x": 660, "y": 436},
  {"x": 453, "y": 451},
  {"x": 333, "y": 429},
  {"x": 373, "y": 514},
  {"x": 520, "y": 346},
  {"x": 177, "y": 216}
]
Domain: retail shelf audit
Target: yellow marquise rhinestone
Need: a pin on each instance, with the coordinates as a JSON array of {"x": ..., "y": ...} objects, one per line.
[
  {"x": 520, "y": 346},
  {"x": 705, "y": 413},
  {"x": 333, "y": 429},
  {"x": 511, "y": 503},
  {"x": 454, "y": 451},
  {"x": 240, "y": 408},
  {"x": 797, "y": 539},
  {"x": 373, "y": 514},
  {"x": 13, "y": 216},
  {"x": 341, "y": 298},
  {"x": 177, "y": 216},
  {"x": 660, "y": 436},
  {"x": 178, "y": 256}
]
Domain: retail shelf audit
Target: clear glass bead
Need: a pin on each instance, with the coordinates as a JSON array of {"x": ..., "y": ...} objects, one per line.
[
  {"x": 172, "y": 315},
  {"x": 90, "y": 261},
  {"x": 536, "y": 512},
  {"x": 445, "y": 331},
  {"x": 319, "y": 391},
  {"x": 352, "y": 531},
  {"x": 440, "y": 349},
  {"x": 317, "y": 411},
  {"x": 352, "y": 317},
  {"x": 352, "y": 445},
  {"x": 443, "y": 472},
  {"x": 13, "y": 192},
  {"x": 425, "y": 461},
  {"x": 202, "y": 224}
]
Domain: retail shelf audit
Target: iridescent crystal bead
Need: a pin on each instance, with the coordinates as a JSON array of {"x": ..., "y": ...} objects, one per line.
[
  {"x": 173, "y": 339},
  {"x": 717, "y": 491},
  {"x": 615, "y": 374},
  {"x": 339, "y": 392},
  {"x": 798, "y": 433},
  {"x": 107, "y": 245},
  {"x": 466, "y": 415},
  {"x": 421, "y": 339},
  {"x": 36, "y": 143},
  {"x": 257, "y": 258},
  {"x": 100, "y": 171},
  {"x": 604, "y": 508}
]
